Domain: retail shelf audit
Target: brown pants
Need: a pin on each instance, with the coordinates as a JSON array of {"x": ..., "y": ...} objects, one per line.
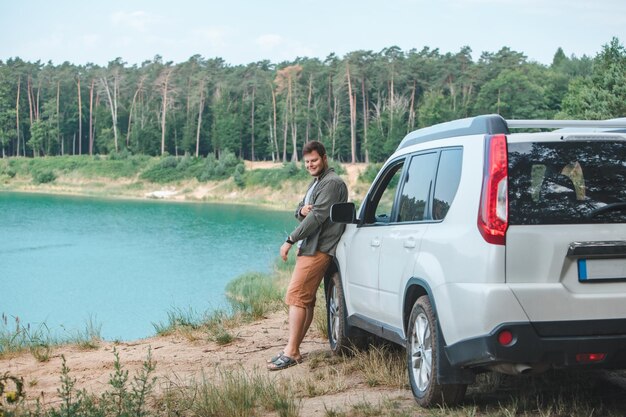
[{"x": 306, "y": 278}]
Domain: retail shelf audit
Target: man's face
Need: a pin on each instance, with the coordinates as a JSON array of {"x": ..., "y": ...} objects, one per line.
[{"x": 314, "y": 163}]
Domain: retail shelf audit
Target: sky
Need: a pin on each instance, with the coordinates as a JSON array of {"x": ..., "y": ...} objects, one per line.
[{"x": 246, "y": 31}]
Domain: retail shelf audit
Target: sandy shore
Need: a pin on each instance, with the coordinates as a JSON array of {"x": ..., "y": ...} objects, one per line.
[{"x": 180, "y": 360}]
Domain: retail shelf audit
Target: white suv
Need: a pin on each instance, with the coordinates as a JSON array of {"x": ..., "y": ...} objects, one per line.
[{"x": 478, "y": 250}]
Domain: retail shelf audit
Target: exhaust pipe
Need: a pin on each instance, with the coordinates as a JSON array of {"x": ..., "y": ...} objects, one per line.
[{"x": 511, "y": 368}]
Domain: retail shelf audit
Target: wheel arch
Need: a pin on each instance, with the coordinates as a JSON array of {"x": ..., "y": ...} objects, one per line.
[
  {"x": 414, "y": 289},
  {"x": 446, "y": 373}
]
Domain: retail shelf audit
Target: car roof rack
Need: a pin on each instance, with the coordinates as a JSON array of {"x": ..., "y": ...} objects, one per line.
[
  {"x": 558, "y": 124},
  {"x": 493, "y": 124}
]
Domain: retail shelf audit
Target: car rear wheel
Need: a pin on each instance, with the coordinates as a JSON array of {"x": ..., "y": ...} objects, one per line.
[{"x": 422, "y": 351}]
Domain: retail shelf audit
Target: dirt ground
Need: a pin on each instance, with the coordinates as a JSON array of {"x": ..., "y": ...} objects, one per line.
[{"x": 180, "y": 360}]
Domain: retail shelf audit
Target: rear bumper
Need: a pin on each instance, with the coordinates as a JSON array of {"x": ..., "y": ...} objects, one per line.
[{"x": 555, "y": 344}]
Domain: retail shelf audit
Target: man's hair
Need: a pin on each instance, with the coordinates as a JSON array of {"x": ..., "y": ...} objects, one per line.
[{"x": 314, "y": 145}]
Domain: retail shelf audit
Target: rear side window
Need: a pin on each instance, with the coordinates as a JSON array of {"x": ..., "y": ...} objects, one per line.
[
  {"x": 567, "y": 182},
  {"x": 448, "y": 177}
]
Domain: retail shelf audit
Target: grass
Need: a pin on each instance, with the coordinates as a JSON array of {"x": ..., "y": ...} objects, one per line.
[
  {"x": 254, "y": 295},
  {"x": 382, "y": 365},
  {"x": 16, "y": 338},
  {"x": 232, "y": 393}
]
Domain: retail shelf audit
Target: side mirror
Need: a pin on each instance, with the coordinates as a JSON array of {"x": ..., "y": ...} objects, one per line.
[{"x": 343, "y": 213}]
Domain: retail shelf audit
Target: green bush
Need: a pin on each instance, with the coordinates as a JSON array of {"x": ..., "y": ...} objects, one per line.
[
  {"x": 218, "y": 169},
  {"x": 44, "y": 176},
  {"x": 238, "y": 175},
  {"x": 7, "y": 169},
  {"x": 121, "y": 155},
  {"x": 172, "y": 168}
]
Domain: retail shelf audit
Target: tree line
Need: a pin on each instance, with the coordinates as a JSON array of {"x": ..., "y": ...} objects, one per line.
[{"x": 359, "y": 105}]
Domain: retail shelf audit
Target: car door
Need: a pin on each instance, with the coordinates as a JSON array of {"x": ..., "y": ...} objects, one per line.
[
  {"x": 363, "y": 247},
  {"x": 401, "y": 242}
]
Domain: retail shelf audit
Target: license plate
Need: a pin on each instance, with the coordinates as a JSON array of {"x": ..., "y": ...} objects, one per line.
[{"x": 601, "y": 269}]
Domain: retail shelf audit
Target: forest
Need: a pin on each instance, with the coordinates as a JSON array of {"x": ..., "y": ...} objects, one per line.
[{"x": 359, "y": 105}]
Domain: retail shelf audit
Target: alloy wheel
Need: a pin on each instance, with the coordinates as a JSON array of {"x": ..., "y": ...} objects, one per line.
[
  {"x": 421, "y": 352},
  {"x": 333, "y": 315}
]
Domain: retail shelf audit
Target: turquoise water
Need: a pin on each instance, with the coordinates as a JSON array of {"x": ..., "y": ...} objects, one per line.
[{"x": 125, "y": 264}]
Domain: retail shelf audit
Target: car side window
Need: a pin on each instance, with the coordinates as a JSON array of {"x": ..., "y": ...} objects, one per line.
[
  {"x": 448, "y": 178},
  {"x": 380, "y": 208},
  {"x": 417, "y": 188}
]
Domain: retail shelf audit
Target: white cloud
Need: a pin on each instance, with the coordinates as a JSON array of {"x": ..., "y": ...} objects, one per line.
[
  {"x": 91, "y": 40},
  {"x": 281, "y": 47},
  {"x": 215, "y": 36},
  {"x": 269, "y": 41},
  {"x": 139, "y": 20}
]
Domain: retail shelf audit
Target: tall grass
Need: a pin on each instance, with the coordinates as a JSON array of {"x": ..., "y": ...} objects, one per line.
[
  {"x": 16, "y": 337},
  {"x": 232, "y": 393},
  {"x": 254, "y": 294}
]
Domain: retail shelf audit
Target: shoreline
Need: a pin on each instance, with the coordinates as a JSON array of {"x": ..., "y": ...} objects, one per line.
[
  {"x": 225, "y": 191},
  {"x": 130, "y": 198}
]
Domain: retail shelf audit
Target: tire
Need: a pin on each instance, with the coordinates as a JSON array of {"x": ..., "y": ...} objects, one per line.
[
  {"x": 422, "y": 351},
  {"x": 342, "y": 339}
]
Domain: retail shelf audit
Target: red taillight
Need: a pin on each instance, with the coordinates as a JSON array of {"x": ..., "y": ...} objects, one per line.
[
  {"x": 590, "y": 357},
  {"x": 505, "y": 337},
  {"x": 493, "y": 216}
]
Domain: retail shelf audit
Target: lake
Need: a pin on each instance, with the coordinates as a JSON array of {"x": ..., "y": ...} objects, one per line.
[{"x": 65, "y": 261}]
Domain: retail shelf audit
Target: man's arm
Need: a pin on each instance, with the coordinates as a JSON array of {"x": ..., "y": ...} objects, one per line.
[{"x": 329, "y": 194}]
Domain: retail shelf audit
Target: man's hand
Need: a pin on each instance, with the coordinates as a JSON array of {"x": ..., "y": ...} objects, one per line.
[
  {"x": 284, "y": 250},
  {"x": 306, "y": 209}
]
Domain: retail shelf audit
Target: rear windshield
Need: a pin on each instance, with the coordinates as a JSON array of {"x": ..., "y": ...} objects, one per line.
[{"x": 567, "y": 182}]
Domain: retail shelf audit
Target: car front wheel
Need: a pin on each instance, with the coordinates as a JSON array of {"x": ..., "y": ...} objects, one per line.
[
  {"x": 422, "y": 351},
  {"x": 341, "y": 338}
]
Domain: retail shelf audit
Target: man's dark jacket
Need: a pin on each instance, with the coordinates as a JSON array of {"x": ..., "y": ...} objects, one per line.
[{"x": 316, "y": 230}]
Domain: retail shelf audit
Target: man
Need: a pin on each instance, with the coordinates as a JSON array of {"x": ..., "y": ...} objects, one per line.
[{"x": 317, "y": 238}]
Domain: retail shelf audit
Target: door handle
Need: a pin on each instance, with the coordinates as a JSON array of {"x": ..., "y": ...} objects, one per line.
[
  {"x": 409, "y": 244},
  {"x": 375, "y": 243}
]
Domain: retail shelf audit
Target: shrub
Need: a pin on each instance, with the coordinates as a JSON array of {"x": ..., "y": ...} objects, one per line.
[
  {"x": 238, "y": 175},
  {"x": 218, "y": 169},
  {"x": 44, "y": 176},
  {"x": 172, "y": 168},
  {"x": 121, "y": 155}
]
